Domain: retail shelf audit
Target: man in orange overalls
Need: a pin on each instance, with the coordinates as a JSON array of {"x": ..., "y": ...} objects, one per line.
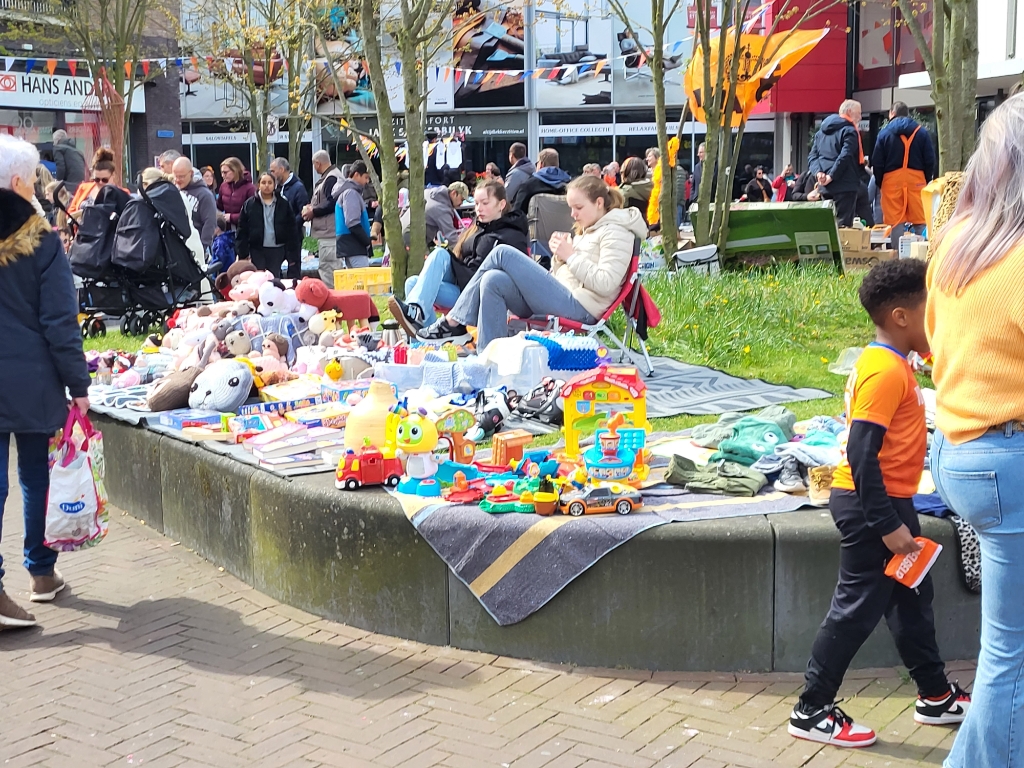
[{"x": 903, "y": 162}]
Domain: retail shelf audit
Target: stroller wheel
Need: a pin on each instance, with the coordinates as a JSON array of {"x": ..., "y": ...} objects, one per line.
[
  {"x": 97, "y": 327},
  {"x": 125, "y": 324},
  {"x": 149, "y": 320},
  {"x": 84, "y": 327},
  {"x": 136, "y": 326}
]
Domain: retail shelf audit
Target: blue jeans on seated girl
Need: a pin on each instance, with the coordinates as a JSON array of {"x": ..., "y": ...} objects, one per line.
[
  {"x": 510, "y": 281},
  {"x": 983, "y": 482},
  {"x": 434, "y": 285},
  {"x": 34, "y": 475}
]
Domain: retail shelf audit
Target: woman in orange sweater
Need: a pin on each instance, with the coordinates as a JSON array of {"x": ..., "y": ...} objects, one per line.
[{"x": 975, "y": 321}]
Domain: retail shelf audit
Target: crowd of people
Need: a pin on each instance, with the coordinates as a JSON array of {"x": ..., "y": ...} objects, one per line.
[{"x": 957, "y": 307}]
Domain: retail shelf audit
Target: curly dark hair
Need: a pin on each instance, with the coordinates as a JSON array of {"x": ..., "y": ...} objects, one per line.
[{"x": 891, "y": 283}]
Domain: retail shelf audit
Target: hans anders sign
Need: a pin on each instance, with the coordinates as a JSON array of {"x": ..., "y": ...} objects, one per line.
[{"x": 43, "y": 91}]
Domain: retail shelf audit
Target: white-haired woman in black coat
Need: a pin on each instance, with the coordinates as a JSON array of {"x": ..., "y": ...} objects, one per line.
[{"x": 42, "y": 345}]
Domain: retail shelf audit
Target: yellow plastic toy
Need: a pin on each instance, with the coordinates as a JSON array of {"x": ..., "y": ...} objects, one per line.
[
  {"x": 416, "y": 437},
  {"x": 595, "y": 396}
]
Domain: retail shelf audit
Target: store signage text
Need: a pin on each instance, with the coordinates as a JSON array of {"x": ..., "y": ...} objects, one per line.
[{"x": 53, "y": 92}]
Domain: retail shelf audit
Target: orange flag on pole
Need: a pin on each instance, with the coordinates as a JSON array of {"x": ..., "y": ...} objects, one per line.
[{"x": 779, "y": 54}]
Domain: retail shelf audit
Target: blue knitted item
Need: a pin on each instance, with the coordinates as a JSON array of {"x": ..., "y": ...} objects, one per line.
[{"x": 569, "y": 353}]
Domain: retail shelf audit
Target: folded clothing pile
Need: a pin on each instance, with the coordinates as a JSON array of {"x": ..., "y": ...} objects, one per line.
[
  {"x": 752, "y": 437},
  {"x": 726, "y": 477},
  {"x": 711, "y": 435}
]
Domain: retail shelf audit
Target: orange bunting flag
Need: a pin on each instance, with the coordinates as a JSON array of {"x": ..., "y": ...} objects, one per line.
[
  {"x": 487, "y": 77},
  {"x": 195, "y": 62},
  {"x": 599, "y": 67},
  {"x": 778, "y": 54},
  {"x": 447, "y": 71},
  {"x": 538, "y": 72},
  {"x": 51, "y": 66},
  {"x": 128, "y": 69}
]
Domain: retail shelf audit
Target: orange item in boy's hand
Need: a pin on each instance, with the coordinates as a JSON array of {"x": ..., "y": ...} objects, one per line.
[{"x": 910, "y": 570}]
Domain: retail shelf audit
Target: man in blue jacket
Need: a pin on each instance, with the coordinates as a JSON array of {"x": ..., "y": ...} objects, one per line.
[
  {"x": 351, "y": 223},
  {"x": 903, "y": 162},
  {"x": 43, "y": 348},
  {"x": 837, "y": 160}
]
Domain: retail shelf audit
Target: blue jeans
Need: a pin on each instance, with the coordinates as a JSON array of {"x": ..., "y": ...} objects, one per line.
[
  {"x": 510, "y": 281},
  {"x": 982, "y": 481},
  {"x": 34, "y": 476},
  {"x": 434, "y": 285}
]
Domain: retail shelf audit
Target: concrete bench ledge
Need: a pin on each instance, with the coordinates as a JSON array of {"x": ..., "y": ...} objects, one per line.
[{"x": 742, "y": 594}]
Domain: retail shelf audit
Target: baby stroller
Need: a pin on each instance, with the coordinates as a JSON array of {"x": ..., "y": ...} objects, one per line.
[
  {"x": 160, "y": 271},
  {"x": 101, "y": 292}
]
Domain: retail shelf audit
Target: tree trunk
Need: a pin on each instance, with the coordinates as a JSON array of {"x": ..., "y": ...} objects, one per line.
[
  {"x": 669, "y": 229},
  {"x": 387, "y": 184},
  {"x": 415, "y": 135}
]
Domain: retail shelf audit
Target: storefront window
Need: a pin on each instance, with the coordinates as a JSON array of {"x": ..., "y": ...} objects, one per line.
[{"x": 32, "y": 126}]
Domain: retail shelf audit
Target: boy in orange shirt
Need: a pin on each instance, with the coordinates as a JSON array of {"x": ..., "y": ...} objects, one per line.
[{"x": 872, "y": 506}]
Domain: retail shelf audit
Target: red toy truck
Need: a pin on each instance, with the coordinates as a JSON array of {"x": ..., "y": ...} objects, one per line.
[{"x": 368, "y": 467}]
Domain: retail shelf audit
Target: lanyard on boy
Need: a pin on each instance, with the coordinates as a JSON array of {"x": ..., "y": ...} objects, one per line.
[{"x": 886, "y": 346}]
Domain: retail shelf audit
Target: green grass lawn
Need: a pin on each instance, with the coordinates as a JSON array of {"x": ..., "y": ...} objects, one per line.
[{"x": 784, "y": 325}]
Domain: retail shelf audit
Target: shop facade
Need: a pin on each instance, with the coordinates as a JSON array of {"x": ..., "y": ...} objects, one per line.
[{"x": 34, "y": 103}]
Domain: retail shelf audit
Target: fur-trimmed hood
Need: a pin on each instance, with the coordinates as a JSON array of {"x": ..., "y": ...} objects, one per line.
[{"x": 21, "y": 228}]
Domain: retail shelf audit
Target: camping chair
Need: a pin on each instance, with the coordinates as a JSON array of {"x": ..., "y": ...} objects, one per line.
[
  {"x": 547, "y": 214},
  {"x": 640, "y": 313}
]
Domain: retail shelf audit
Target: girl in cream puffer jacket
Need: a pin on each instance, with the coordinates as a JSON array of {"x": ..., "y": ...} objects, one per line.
[{"x": 600, "y": 257}]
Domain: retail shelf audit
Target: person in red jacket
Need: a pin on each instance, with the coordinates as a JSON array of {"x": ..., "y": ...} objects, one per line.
[{"x": 236, "y": 188}]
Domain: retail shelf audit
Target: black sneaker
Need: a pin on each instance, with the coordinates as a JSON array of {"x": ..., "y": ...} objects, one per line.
[
  {"x": 828, "y": 725},
  {"x": 441, "y": 332},
  {"x": 409, "y": 316},
  {"x": 948, "y": 710}
]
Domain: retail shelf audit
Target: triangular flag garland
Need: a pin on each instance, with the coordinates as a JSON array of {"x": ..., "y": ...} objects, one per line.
[{"x": 459, "y": 75}]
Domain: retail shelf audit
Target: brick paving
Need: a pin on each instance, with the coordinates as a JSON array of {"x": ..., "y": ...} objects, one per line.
[{"x": 155, "y": 657}]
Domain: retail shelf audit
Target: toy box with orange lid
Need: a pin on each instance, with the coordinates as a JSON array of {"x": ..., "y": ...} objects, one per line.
[
  {"x": 592, "y": 398},
  {"x": 910, "y": 570}
]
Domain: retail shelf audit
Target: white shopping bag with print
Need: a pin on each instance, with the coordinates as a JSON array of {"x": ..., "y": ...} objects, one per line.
[{"x": 76, "y": 506}]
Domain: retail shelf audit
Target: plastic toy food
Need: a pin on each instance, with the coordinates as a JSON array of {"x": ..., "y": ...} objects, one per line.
[
  {"x": 367, "y": 467},
  {"x": 602, "y": 498}
]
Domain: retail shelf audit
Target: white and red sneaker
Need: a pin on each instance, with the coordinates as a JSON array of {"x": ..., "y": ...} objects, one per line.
[
  {"x": 948, "y": 710},
  {"x": 829, "y": 725}
]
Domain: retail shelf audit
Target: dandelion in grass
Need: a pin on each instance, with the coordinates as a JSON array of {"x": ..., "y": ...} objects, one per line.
[
  {"x": 746, "y": 350},
  {"x": 824, "y": 361}
]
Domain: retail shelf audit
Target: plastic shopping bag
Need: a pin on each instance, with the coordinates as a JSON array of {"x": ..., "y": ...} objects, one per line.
[{"x": 76, "y": 506}]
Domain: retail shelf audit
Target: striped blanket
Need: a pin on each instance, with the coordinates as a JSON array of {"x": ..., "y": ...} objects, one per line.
[{"x": 515, "y": 563}]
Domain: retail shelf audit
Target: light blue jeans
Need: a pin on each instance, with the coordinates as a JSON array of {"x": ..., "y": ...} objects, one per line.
[
  {"x": 510, "y": 281},
  {"x": 434, "y": 285},
  {"x": 983, "y": 482}
]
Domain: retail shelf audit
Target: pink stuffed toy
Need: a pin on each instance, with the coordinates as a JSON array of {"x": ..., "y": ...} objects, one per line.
[
  {"x": 248, "y": 286},
  {"x": 355, "y": 307}
]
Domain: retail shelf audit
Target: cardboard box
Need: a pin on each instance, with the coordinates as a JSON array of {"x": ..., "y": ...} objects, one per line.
[
  {"x": 919, "y": 250},
  {"x": 861, "y": 261},
  {"x": 854, "y": 240}
]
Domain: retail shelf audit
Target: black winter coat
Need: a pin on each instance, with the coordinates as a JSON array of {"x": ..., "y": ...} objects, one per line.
[
  {"x": 295, "y": 193},
  {"x": 41, "y": 342},
  {"x": 250, "y": 228},
  {"x": 70, "y": 162},
  {"x": 836, "y": 152},
  {"x": 511, "y": 229}
]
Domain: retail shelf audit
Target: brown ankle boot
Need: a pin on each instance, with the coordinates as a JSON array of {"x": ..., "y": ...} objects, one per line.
[
  {"x": 42, "y": 589},
  {"x": 13, "y": 615}
]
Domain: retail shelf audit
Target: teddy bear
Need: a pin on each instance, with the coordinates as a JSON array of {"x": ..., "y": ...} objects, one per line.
[
  {"x": 248, "y": 286},
  {"x": 275, "y": 299},
  {"x": 223, "y": 386},
  {"x": 232, "y": 276},
  {"x": 355, "y": 307}
]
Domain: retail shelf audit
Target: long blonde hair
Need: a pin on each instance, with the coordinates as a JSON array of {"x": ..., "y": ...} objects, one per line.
[
  {"x": 595, "y": 189},
  {"x": 988, "y": 221}
]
